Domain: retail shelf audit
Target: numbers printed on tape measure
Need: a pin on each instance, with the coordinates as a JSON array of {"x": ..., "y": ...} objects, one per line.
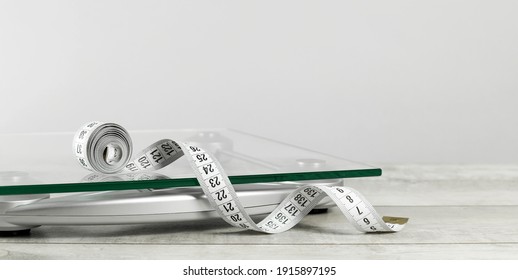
[
  {"x": 310, "y": 193},
  {"x": 144, "y": 162},
  {"x": 155, "y": 156},
  {"x": 208, "y": 170},
  {"x": 291, "y": 210},
  {"x": 194, "y": 149},
  {"x": 221, "y": 196},
  {"x": 229, "y": 207},
  {"x": 132, "y": 167},
  {"x": 236, "y": 217},
  {"x": 217, "y": 187},
  {"x": 82, "y": 134},
  {"x": 83, "y": 162},
  {"x": 282, "y": 218},
  {"x": 79, "y": 149},
  {"x": 215, "y": 182},
  {"x": 167, "y": 148},
  {"x": 300, "y": 200},
  {"x": 271, "y": 224}
]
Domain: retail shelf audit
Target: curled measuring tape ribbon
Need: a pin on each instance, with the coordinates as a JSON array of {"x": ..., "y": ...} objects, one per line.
[{"x": 106, "y": 148}]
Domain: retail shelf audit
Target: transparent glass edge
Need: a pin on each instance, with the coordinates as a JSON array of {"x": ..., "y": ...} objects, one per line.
[{"x": 183, "y": 182}]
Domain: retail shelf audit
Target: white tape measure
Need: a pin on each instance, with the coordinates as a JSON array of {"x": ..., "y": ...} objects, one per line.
[{"x": 107, "y": 148}]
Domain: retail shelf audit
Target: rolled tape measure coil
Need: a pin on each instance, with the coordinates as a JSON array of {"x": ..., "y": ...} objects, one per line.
[
  {"x": 107, "y": 148},
  {"x": 103, "y": 147}
]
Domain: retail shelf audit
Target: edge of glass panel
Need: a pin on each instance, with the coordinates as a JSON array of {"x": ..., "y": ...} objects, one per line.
[{"x": 183, "y": 182}]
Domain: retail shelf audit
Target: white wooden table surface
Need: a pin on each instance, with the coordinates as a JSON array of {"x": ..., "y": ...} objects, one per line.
[{"x": 456, "y": 212}]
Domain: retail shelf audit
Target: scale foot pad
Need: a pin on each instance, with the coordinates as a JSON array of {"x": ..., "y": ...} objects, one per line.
[
  {"x": 13, "y": 233},
  {"x": 318, "y": 211}
]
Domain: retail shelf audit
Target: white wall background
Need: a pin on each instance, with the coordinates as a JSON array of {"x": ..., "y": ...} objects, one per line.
[{"x": 376, "y": 81}]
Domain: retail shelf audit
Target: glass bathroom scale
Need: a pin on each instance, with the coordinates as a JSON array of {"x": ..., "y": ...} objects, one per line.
[{"x": 40, "y": 163}]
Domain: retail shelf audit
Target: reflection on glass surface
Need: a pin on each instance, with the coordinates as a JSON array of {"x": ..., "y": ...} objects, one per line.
[{"x": 44, "y": 163}]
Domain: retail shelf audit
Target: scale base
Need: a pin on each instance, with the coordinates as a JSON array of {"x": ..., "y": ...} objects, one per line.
[{"x": 18, "y": 214}]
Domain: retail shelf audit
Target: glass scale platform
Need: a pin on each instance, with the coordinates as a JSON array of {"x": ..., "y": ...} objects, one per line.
[
  {"x": 264, "y": 171},
  {"x": 44, "y": 163}
]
